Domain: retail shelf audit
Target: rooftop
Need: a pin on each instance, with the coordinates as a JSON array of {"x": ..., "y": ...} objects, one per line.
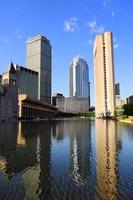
[
  {"x": 11, "y": 68},
  {"x": 38, "y": 37},
  {"x": 21, "y": 68}
]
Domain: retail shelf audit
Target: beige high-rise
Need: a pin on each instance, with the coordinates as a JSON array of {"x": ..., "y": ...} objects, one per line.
[{"x": 104, "y": 75}]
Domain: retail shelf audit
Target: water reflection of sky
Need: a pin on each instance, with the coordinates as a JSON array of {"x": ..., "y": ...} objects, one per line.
[{"x": 66, "y": 159}]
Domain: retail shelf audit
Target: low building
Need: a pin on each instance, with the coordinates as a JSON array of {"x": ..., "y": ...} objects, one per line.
[
  {"x": 120, "y": 102},
  {"x": 73, "y": 104},
  {"x": 9, "y": 95},
  {"x": 130, "y": 99},
  {"x": 27, "y": 81},
  {"x": 55, "y": 98},
  {"x": 8, "y": 103},
  {"x": 31, "y": 108}
]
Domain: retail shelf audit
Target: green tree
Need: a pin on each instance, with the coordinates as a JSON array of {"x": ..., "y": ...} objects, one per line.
[{"x": 128, "y": 109}]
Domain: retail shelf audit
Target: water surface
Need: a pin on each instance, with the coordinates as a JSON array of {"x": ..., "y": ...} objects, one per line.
[{"x": 66, "y": 159}]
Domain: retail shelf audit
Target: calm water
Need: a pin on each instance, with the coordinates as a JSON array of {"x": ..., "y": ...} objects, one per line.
[{"x": 68, "y": 159}]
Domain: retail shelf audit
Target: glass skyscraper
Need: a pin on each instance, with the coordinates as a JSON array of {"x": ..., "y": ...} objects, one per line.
[{"x": 79, "y": 78}]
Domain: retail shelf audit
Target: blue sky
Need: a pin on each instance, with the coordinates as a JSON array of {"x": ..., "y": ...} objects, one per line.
[{"x": 71, "y": 26}]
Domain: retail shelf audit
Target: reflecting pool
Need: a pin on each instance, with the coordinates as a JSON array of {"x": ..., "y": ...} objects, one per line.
[{"x": 74, "y": 159}]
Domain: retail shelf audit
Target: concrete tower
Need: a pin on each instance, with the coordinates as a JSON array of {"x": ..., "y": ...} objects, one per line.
[
  {"x": 39, "y": 59},
  {"x": 104, "y": 75}
]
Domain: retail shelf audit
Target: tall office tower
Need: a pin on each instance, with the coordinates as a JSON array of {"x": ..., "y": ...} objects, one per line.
[
  {"x": 39, "y": 59},
  {"x": 104, "y": 75},
  {"x": 79, "y": 78},
  {"x": 117, "y": 89}
]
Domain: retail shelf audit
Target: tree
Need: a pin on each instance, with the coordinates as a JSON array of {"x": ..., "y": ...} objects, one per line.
[{"x": 128, "y": 109}]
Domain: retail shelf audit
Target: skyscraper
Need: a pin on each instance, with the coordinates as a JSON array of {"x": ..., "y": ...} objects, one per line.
[
  {"x": 117, "y": 89},
  {"x": 79, "y": 78},
  {"x": 104, "y": 75},
  {"x": 39, "y": 59}
]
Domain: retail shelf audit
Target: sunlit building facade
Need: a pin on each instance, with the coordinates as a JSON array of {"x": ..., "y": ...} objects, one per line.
[{"x": 104, "y": 79}]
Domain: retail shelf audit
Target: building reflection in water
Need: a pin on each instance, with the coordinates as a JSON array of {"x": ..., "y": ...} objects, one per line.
[
  {"x": 58, "y": 130},
  {"x": 80, "y": 149},
  {"x": 8, "y": 136},
  {"x": 107, "y": 149},
  {"x": 25, "y": 162},
  {"x": 20, "y": 137},
  {"x": 33, "y": 166}
]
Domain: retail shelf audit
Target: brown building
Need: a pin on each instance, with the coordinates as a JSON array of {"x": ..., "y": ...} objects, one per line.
[
  {"x": 104, "y": 80},
  {"x": 9, "y": 95},
  {"x": 30, "y": 108}
]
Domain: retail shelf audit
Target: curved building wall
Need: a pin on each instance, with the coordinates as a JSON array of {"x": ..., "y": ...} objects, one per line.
[{"x": 79, "y": 78}]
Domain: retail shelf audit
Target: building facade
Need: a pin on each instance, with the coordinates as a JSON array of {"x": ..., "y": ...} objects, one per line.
[
  {"x": 72, "y": 104},
  {"x": 9, "y": 95},
  {"x": 130, "y": 99},
  {"x": 117, "y": 89},
  {"x": 30, "y": 108},
  {"x": 39, "y": 59},
  {"x": 79, "y": 85},
  {"x": 27, "y": 81},
  {"x": 104, "y": 79},
  {"x": 56, "y": 97}
]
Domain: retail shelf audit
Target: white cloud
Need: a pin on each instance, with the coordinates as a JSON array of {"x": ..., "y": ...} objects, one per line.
[
  {"x": 94, "y": 28},
  {"x": 17, "y": 34},
  {"x": 92, "y": 24},
  {"x": 106, "y": 2},
  {"x": 70, "y": 25},
  {"x": 5, "y": 40},
  {"x": 89, "y": 42},
  {"x": 113, "y": 13},
  {"x": 116, "y": 45},
  {"x": 86, "y": 8}
]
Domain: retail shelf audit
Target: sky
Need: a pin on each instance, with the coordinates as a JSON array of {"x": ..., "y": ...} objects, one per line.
[{"x": 71, "y": 26}]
